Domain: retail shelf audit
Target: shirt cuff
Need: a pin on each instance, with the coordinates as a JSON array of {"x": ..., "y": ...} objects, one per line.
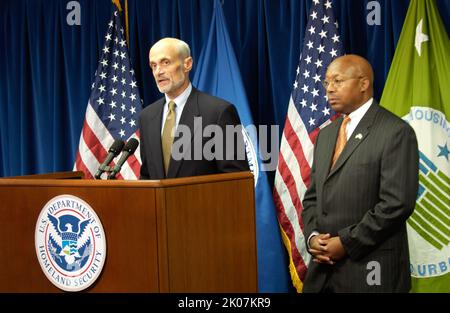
[{"x": 314, "y": 233}]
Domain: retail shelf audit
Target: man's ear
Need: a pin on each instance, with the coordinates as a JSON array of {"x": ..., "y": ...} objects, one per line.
[
  {"x": 187, "y": 64},
  {"x": 364, "y": 85}
]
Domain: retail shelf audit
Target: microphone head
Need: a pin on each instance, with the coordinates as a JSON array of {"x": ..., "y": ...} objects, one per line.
[
  {"x": 128, "y": 150},
  {"x": 116, "y": 147},
  {"x": 131, "y": 145}
]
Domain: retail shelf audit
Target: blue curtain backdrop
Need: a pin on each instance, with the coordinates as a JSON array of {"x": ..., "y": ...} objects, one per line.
[{"x": 47, "y": 66}]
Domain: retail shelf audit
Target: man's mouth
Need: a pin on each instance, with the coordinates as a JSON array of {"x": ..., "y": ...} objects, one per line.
[
  {"x": 332, "y": 100},
  {"x": 163, "y": 80}
]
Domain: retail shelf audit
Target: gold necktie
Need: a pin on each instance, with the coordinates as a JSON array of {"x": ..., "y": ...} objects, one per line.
[
  {"x": 167, "y": 135},
  {"x": 341, "y": 140}
]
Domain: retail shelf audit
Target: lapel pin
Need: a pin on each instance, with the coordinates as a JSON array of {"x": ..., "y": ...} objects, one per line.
[{"x": 359, "y": 136}]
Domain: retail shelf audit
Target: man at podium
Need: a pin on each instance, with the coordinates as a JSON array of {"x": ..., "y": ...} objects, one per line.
[{"x": 187, "y": 132}]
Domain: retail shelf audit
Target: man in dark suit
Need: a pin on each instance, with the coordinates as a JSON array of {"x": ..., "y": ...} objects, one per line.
[
  {"x": 364, "y": 182},
  {"x": 203, "y": 143}
]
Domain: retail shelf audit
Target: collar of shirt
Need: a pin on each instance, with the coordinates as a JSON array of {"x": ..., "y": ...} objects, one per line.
[
  {"x": 356, "y": 116},
  {"x": 180, "y": 102}
]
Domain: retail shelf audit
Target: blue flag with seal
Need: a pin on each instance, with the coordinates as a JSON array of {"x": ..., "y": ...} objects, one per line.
[{"x": 218, "y": 74}]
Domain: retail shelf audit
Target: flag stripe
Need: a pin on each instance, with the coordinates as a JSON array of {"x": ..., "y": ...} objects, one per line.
[
  {"x": 294, "y": 184},
  {"x": 438, "y": 202},
  {"x": 300, "y": 132},
  {"x": 291, "y": 198},
  {"x": 430, "y": 206},
  {"x": 297, "y": 258},
  {"x": 79, "y": 165},
  {"x": 88, "y": 159},
  {"x": 93, "y": 152},
  {"x": 416, "y": 223},
  {"x": 98, "y": 150},
  {"x": 427, "y": 228},
  {"x": 296, "y": 147},
  {"x": 434, "y": 223}
]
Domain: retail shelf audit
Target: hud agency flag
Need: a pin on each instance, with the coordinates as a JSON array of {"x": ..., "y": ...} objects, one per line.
[
  {"x": 417, "y": 89},
  {"x": 218, "y": 73}
]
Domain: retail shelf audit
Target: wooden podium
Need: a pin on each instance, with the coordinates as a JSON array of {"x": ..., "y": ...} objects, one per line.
[{"x": 193, "y": 234}]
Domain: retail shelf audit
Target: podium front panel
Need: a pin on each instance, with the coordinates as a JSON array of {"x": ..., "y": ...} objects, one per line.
[{"x": 129, "y": 221}]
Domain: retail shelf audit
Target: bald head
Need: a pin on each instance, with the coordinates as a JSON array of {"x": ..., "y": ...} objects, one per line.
[
  {"x": 179, "y": 47},
  {"x": 355, "y": 66},
  {"x": 349, "y": 83}
]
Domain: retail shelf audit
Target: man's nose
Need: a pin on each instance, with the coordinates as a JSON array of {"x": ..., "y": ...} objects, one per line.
[
  {"x": 158, "y": 70},
  {"x": 330, "y": 88}
]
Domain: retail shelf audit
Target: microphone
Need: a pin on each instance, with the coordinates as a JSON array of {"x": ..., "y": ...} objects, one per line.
[
  {"x": 113, "y": 151},
  {"x": 128, "y": 150}
]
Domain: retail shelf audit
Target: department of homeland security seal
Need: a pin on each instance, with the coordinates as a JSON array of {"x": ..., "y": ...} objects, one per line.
[
  {"x": 70, "y": 243},
  {"x": 429, "y": 225}
]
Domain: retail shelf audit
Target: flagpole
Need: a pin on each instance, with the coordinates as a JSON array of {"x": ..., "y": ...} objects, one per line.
[{"x": 127, "y": 33}]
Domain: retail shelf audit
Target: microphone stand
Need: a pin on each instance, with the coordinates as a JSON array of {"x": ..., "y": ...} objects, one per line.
[{"x": 107, "y": 170}]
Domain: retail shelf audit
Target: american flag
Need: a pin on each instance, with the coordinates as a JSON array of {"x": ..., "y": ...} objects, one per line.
[
  {"x": 113, "y": 107},
  {"x": 308, "y": 111}
]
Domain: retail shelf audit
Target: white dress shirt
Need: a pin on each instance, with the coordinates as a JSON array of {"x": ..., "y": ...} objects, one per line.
[{"x": 356, "y": 117}]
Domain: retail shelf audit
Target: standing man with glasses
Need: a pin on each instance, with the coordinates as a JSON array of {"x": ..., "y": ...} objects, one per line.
[
  {"x": 364, "y": 183},
  {"x": 184, "y": 105}
]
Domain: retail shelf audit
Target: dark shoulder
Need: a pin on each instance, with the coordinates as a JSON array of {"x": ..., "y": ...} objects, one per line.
[
  {"x": 328, "y": 128},
  {"x": 209, "y": 103},
  {"x": 389, "y": 120},
  {"x": 153, "y": 108}
]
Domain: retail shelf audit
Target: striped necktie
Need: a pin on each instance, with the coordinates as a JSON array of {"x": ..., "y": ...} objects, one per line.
[{"x": 341, "y": 140}]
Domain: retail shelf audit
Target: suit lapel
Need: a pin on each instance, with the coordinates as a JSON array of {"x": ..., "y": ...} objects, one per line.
[
  {"x": 327, "y": 150},
  {"x": 190, "y": 111},
  {"x": 155, "y": 123},
  {"x": 359, "y": 135}
]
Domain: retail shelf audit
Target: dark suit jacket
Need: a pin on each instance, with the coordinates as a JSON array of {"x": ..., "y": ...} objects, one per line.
[
  {"x": 365, "y": 200},
  {"x": 213, "y": 111}
]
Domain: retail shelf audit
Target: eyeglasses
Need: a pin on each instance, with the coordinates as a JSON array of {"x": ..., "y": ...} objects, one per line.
[{"x": 337, "y": 82}]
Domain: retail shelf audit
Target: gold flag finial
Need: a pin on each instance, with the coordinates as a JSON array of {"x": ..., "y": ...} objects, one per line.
[{"x": 117, "y": 3}]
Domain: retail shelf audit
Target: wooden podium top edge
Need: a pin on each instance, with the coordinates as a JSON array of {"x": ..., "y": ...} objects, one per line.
[
  {"x": 54, "y": 175},
  {"x": 45, "y": 180}
]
